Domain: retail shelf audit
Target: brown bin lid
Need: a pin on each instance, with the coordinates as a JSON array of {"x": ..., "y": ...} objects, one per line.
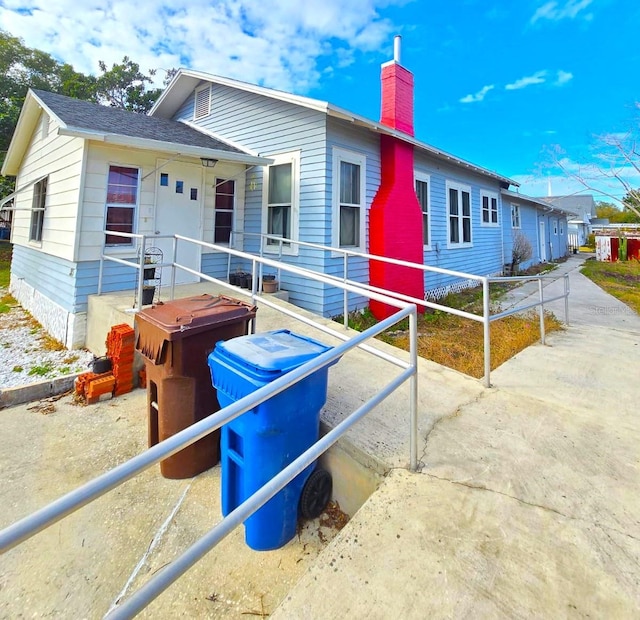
[{"x": 186, "y": 317}]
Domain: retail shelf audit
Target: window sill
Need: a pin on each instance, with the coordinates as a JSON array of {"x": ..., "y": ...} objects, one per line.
[{"x": 459, "y": 246}]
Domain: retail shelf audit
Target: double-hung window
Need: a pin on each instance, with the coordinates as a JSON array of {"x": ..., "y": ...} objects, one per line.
[
  {"x": 349, "y": 199},
  {"x": 281, "y": 200},
  {"x": 224, "y": 203},
  {"x": 122, "y": 201},
  {"x": 489, "y": 205},
  {"x": 459, "y": 215},
  {"x": 38, "y": 207},
  {"x": 422, "y": 193},
  {"x": 515, "y": 216}
]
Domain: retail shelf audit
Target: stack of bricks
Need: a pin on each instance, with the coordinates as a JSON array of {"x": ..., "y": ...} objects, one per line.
[
  {"x": 93, "y": 386},
  {"x": 120, "y": 350}
]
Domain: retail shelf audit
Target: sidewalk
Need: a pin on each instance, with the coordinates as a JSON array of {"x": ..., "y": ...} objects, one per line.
[{"x": 527, "y": 505}]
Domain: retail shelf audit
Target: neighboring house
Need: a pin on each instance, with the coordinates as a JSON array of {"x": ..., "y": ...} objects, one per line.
[
  {"x": 580, "y": 225},
  {"x": 287, "y": 165}
]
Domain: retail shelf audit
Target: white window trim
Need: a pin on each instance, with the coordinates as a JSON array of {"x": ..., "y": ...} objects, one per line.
[
  {"x": 339, "y": 155},
  {"x": 489, "y": 195},
  {"x": 554, "y": 224},
  {"x": 124, "y": 248},
  {"x": 460, "y": 188},
  {"x": 561, "y": 227},
  {"x": 292, "y": 158},
  {"x": 517, "y": 208},
  {"x": 195, "y": 102},
  {"x": 420, "y": 176}
]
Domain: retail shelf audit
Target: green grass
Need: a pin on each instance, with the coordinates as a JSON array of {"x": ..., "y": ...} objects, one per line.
[
  {"x": 620, "y": 279},
  {"x": 5, "y": 263}
]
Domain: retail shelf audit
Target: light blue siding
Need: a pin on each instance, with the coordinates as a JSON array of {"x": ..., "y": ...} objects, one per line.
[
  {"x": 528, "y": 227},
  {"x": 67, "y": 283},
  {"x": 485, "y": 255}
]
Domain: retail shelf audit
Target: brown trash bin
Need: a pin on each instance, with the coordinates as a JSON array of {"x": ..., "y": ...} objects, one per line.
[{"x": 175, "y": 339}]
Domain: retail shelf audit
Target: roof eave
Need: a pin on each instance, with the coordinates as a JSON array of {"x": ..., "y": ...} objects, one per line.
[
  {"x": 362, "y": 121},
  {"x": 166, "y": 147}
]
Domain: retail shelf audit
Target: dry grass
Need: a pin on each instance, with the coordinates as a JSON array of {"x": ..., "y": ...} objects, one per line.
[
  {"x": 621, "y": 279},
  {"x": 459, "y": 343}
]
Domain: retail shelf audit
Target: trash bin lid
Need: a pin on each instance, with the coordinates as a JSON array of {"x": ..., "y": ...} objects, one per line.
[
  {"x": 277, "y": 351},
  {"x": 195, "y": 314}
]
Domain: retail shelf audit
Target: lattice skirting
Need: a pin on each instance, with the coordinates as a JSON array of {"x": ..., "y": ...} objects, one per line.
[{"x": 455, "y": 287}]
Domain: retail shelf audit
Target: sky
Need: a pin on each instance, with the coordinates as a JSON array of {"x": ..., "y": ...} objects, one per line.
[{"x": 536, "y": 90}]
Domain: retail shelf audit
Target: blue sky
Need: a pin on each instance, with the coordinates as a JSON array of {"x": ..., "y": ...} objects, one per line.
[{"x": 501, "y": 83}]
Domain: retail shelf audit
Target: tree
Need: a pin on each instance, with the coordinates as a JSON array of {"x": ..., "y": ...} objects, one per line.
[
  {"x": 619, "y": 157},
  {"x": 22, "y": 68},
  {"x": 615, "y": 215},
  {"x": 124, "y": 86}
]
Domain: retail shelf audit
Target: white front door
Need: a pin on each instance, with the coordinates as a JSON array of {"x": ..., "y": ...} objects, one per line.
[
  {"x": 543, "y": 243},
  {"x": 179, "y": 212}
]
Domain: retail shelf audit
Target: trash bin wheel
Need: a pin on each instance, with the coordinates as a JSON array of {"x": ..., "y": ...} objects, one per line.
[{"x": 316, "y": 493}]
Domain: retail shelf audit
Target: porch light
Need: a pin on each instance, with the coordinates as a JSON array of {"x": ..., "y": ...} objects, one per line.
[{"x": 208, "y": 162}]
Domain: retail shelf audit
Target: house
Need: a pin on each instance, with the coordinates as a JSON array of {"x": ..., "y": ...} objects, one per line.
[
  {"x": 580, "y": 225},
  {"x": 217, "y": 155},
  {"x": 544, "y": 224}
]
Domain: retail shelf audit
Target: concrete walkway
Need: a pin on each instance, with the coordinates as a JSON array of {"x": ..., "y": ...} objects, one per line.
[
  {"x": 528, "y": 501},
  {"x": 526, "y": 504}
]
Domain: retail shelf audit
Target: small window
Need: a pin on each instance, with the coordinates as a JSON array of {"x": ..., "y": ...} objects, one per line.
[
  {"x": 179, "y": 187},
  {"x": 279, "y": 202},
  {"x": 193, "y": 194},
  {"x": 38, "y": 207},
  {"x": 515, "y": 216},
  {"x": 561, "y": 227},
  {"x": 459, "y": 210},
  {"x": 164, "y": 179},
  {"x": 555, "y": 227},
  {"x": 348, "y": 199},
  {"x": 422, "y": 192},
  {"x": 202, "y": 102},
  {"x": 489, "y": 208},
  {"x": 122, "y": 200},
  {"x": 224, "y": 205}
]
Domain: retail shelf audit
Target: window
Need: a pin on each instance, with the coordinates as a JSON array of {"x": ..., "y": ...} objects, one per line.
[
  {"x": 349, "y": 197},
  {"x": 561, "y": 227},
  {"x": 459, "y": 210},
  {"x": 555, "y": 227},
  {"x": 515, "y": 216},
  {"x": 122, "y": 199},
  {"x": 224, "y": 203},
  {"x": 422, "y": 192},
  {"x": 164, "y": 179},
  {"x": 489, "y": 203},
  {"x": 202, "y": 102},
  {"x": 38, "y": 207},
  {"x": 280, "y": 200}
]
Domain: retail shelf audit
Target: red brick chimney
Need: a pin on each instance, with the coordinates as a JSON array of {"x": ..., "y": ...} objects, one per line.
[{"x": 395, "y": 217}]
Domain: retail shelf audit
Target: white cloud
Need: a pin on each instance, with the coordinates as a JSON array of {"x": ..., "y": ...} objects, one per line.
[
  {"x": 479, "y": 96},
  {"x": 277, "y": 43},
  {"x": 537, "y": 78},
  {"x": 555, "y": 11},
  {"x": 563, "y": 77}
]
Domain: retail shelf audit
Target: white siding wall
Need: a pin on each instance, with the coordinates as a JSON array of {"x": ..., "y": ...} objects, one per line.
[{"x": 60, "y": 158}]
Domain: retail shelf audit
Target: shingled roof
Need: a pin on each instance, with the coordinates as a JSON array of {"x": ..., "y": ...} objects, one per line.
[{"x": 87, "y": 116}]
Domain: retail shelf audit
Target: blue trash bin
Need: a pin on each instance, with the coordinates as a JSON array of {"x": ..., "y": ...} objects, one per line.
[{"x": 261, "y": 442}]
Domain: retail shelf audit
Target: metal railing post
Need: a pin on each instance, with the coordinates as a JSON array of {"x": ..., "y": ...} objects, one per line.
[
  {"x": 486, "y": 325},
  {"x": 143, "y": 245},
  {"x": 346, "y": 293},
  {"x": 413, "y": 389},
  {"x": 567, "y": 287},
  {"x": 173, "y": 267},
  {"x": 100, "y": 272},
  {"x": 541, "y": 310}
]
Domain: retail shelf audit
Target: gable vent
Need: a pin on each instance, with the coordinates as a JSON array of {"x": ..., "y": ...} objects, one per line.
[{"x": 203, "y": 101}]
